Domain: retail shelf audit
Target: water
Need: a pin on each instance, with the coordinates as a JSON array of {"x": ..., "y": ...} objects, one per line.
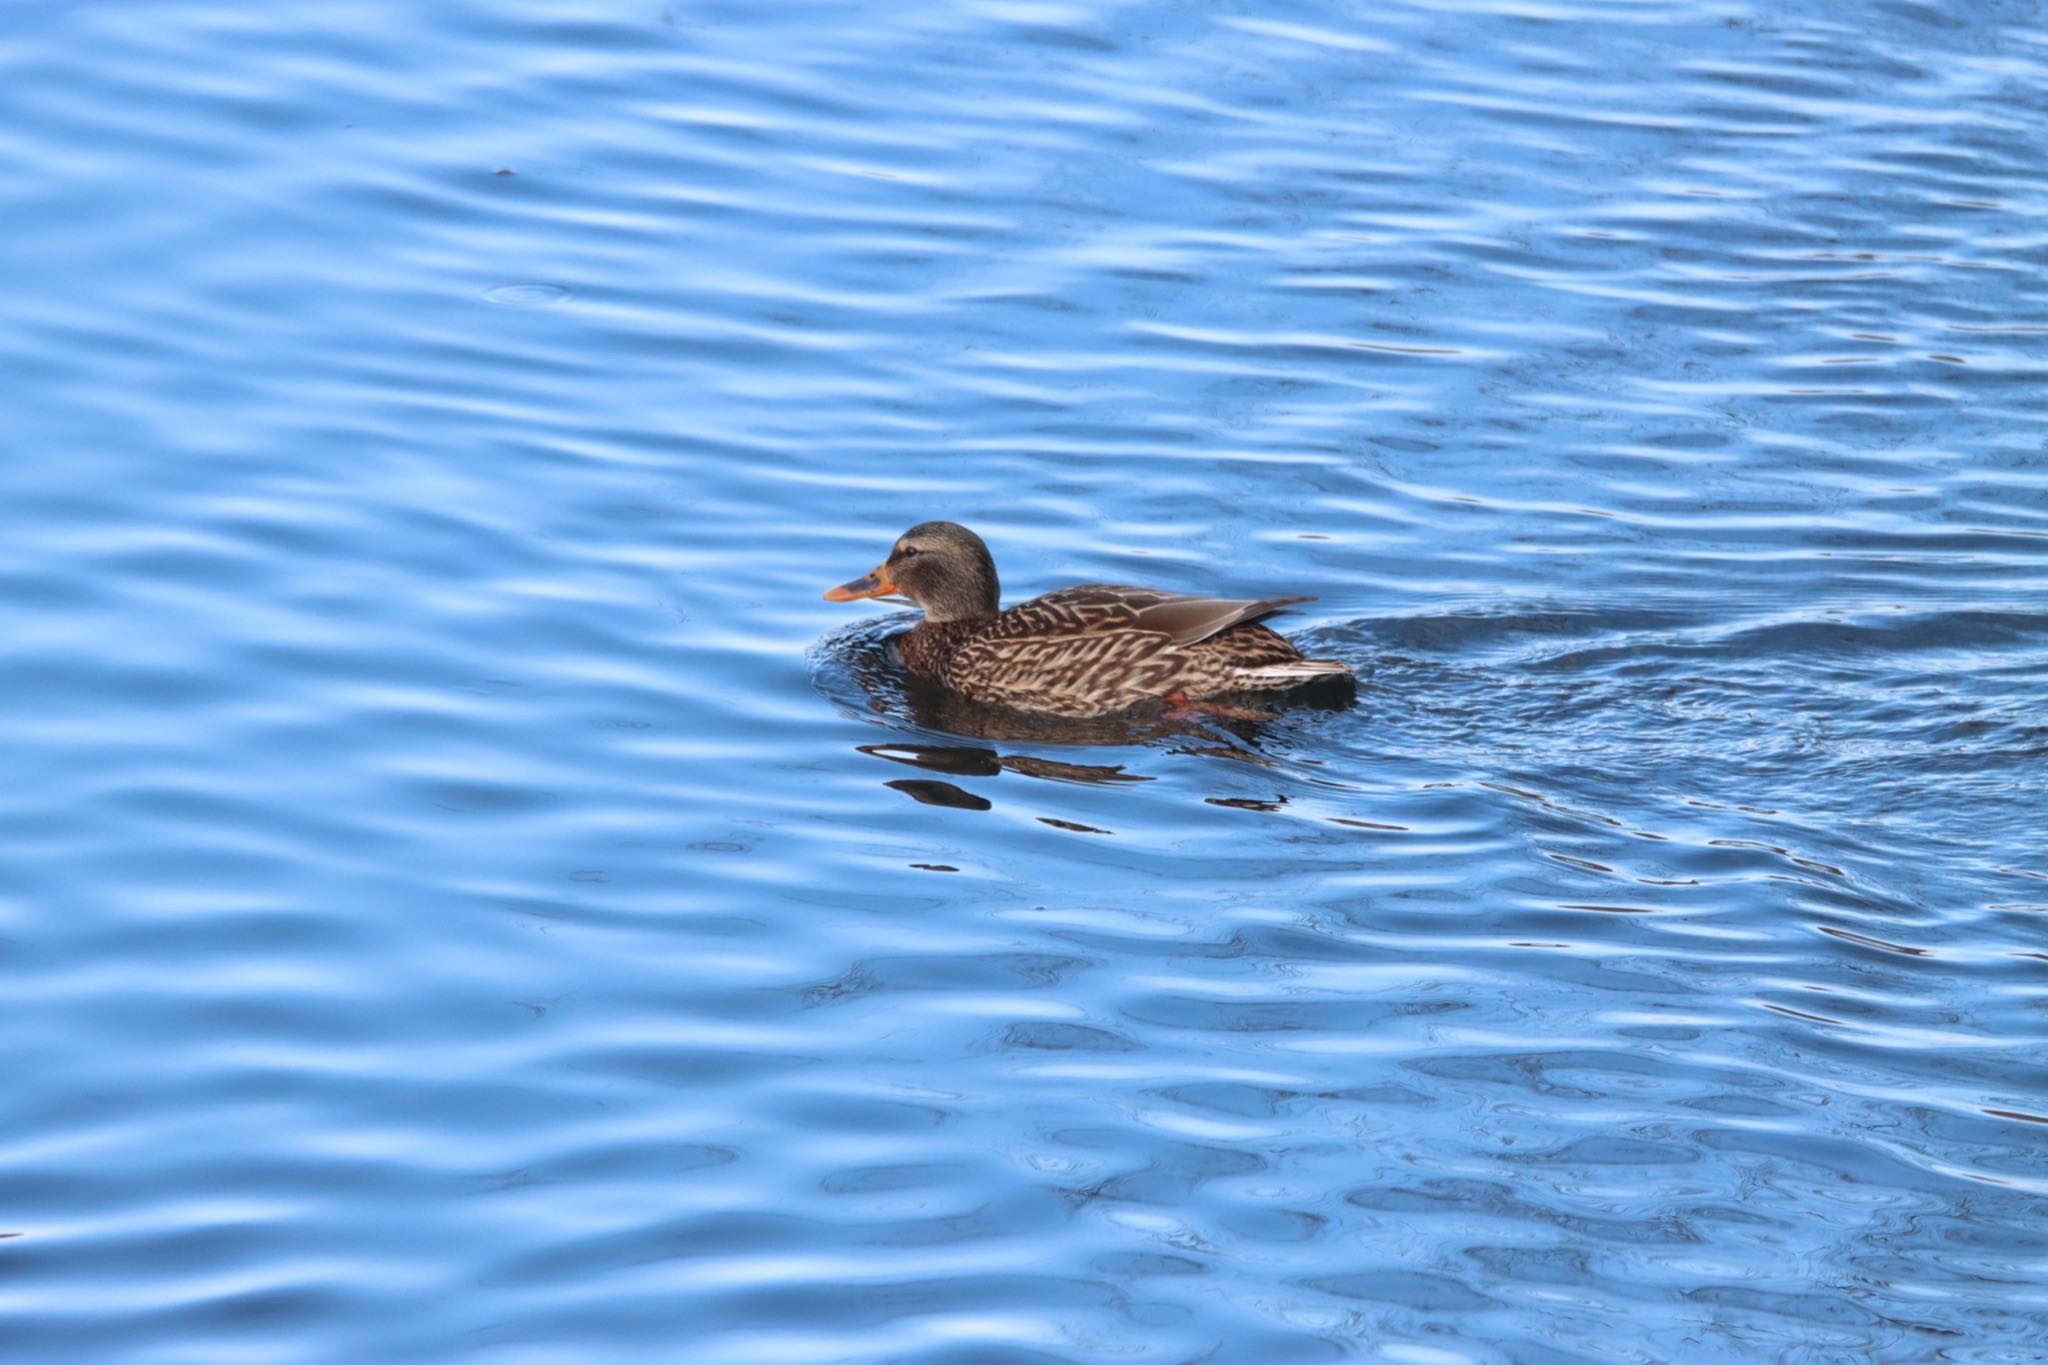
[{"x": 468, "y": 898}]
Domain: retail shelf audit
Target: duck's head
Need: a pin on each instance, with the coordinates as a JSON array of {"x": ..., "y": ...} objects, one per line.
[{"x": 942, "y": 567}]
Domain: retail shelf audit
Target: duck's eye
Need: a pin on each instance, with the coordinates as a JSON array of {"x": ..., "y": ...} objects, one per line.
[{"x": 909, "y": 552}]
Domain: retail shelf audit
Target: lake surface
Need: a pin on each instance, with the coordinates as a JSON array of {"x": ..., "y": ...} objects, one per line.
[{"x": 467, "y": 897}]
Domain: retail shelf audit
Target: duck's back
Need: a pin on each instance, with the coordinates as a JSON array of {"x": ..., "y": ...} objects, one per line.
[{"x": 1104, "y": 647}]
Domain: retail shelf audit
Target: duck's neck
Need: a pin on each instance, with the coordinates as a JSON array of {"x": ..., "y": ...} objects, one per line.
[{"x": 929, "y": 646}]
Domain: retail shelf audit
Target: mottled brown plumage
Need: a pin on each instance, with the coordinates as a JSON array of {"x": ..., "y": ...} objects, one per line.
[{"x": 1081, "y": 651}]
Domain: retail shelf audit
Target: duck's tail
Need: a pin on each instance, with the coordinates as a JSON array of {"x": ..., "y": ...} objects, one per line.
[{"x": 1292, "y": 672}]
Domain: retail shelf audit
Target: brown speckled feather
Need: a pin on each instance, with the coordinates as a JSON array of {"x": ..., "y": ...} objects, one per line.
[{"x": 1105, "y": 647}]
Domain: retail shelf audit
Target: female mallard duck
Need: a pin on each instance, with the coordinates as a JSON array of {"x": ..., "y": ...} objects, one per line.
[{"x": 1082, "y": 651}]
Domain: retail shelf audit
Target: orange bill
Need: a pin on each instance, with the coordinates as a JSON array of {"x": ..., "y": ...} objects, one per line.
[{"x": 874, "y": 584}]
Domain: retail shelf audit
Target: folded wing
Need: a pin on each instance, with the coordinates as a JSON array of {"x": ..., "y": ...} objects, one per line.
[{"x": 1102, "y": 608}]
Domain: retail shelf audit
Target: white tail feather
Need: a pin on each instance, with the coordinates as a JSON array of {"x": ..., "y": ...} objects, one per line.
[{"x": 1299, "y": 670}]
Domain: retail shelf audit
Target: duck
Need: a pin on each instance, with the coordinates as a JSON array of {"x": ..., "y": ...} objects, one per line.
[{"x": 1089, "y": 650}]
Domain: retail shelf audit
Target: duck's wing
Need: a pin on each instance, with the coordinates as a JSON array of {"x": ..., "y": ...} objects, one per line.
[{"x": 1105, "y": 608}]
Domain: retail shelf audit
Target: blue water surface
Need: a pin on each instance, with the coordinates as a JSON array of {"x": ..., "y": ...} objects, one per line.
[{"x": 467, "y": 898}]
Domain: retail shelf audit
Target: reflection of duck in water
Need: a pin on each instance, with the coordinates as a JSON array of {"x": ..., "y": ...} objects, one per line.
[{"x": 1084, "y": 651}]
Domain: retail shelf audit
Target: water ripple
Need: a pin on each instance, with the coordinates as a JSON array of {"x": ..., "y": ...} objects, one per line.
[{"x": 471, "y": 898}]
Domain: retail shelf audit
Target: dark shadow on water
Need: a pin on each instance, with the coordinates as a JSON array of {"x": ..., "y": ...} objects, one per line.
[
  {"x": 932, "y": 793},
  {"x": 969, "y": 761}
]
